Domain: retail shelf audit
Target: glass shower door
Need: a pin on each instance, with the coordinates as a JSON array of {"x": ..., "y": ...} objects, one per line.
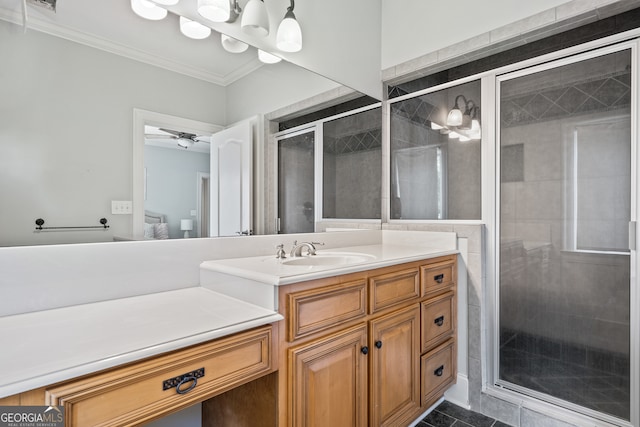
[
  {"x": 565, "y": 206},
  {"x": 296, "y": 185}
]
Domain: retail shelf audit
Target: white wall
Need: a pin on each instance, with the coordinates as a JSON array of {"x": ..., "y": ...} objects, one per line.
[
  {"x": 413, "y": 28},
  {"x": 66, "y": 114},
  {"x": 272, "y": 87}
]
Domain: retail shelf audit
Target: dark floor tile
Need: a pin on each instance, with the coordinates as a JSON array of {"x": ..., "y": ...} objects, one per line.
[
  {"x": 459, "y": 423},
  {"x": 438, "y": 419},
  {"x": 473, "y": 418},
  {"x": 501, "y": 424}
]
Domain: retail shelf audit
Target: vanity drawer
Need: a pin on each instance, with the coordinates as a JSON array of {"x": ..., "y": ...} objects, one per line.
[
  {"x": 438, "y": 319},
  {"x": 438, "y": 368},
  {"x": 318, "y": 309},
  {"x": 393, "y": 288},
  {"x": 437, "y": 277},
  {"x": 136, "y": 393}
]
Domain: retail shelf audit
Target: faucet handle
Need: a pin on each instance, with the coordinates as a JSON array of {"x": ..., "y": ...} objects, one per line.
[
  {"x": 280, "y": 254},
  {"x": 317, "y": 243}
]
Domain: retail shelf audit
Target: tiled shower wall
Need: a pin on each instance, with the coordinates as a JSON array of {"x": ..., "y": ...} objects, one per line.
[{"x": 352, "y": 166}]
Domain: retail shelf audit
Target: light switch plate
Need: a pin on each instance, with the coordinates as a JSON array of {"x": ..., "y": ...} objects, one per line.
[
  {"x": 121, "y": 207},
  {"x": 193, "y": 212}
]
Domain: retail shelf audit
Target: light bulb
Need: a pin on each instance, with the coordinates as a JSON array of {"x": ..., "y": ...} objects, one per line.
[
  {"x": 454, "y": 118},
  {"x": 193, "y": 29},
  {"x": 267, "y": 58},
  {"x": 232, "y": 45},
  {"x": 148, "y": 10},
  {"x": 215, "y": 10}
]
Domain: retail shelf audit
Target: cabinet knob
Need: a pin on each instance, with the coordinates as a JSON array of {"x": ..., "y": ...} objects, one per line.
[
  {"x": 439, "y": 321},
  {"x": 378, "y": 344},
  {"x": 439, "y": 278},
  {"x": 364, "y": 350},
  {"x": 438, "y": 372}
]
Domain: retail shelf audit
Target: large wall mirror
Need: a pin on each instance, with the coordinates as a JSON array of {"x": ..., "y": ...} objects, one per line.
[{"x": 67, "y": 108}]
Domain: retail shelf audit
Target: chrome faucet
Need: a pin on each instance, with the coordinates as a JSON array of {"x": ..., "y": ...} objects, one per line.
[{"x": 297, "y": 248}]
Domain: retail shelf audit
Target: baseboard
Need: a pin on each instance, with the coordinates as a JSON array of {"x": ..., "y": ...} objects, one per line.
[{"x": 458, "y": 394}]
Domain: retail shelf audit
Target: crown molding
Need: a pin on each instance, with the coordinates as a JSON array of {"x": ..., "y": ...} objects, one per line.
[{"x": 100, "y": 43}]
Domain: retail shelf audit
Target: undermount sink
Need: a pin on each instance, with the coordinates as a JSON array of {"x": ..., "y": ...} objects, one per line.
[{"x": 329, "y": 258}]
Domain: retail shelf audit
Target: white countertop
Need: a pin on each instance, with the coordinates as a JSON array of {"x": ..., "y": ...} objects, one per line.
[
  {"x": 271, "y": 271},
  {"x": 46, "y": 347}
]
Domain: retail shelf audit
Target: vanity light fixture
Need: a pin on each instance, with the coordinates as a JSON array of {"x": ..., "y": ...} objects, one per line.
[
  {"x": 193, "y": 29},
  {"x": 267, "y": 58},
  {"x": 455, "y": 115},
  {"x": 232, "y": 45},
  {"x": 148, "y": 10},
  {"x": 166, "y": 2},
  {"x": 464, "y": 126},
  {"x": 255, "y": 19},
  {"x": 215, "y": 10},
  {"x": 289, "y": 35}
]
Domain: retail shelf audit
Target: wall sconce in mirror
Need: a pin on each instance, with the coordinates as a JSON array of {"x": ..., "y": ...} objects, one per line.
[
  {"x": 268, "y": 58},
  {"x": 193, "y": 29},
  {"x": 232, "y": 45},
  {"x": 464, "y": 125},
  {"x": 148, "y": 10}
]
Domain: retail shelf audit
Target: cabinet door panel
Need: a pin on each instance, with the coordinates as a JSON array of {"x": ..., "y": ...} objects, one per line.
[
  {"x": 328, "y": 382},
  {"x": 394, "y": 384}
]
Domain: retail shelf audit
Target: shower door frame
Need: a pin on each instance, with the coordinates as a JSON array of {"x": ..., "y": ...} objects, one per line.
[{"x": 492, "y": 384}]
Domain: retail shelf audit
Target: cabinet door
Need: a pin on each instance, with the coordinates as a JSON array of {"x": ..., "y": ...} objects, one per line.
[
  {"x": 328, "y": 381},
  {"x": 395, "y": 368}
]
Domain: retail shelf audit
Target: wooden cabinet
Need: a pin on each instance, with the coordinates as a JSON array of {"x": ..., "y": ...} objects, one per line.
[
  {"x": 328, "y": 380},
  {"x": 395, "y": 369},
  {"x": 143, "y": 391},
  {"x": 361, "y": 349},
  {"x": 146, "y": 390}
]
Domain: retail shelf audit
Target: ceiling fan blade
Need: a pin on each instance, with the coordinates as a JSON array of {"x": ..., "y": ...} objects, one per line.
[
  {"x": 158, "y": 136},
  {"x": 172, "y": 132},
  {"x": 203, "y": 138}
]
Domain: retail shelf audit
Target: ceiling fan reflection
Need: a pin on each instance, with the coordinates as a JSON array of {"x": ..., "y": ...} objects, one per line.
[{"x": 184, "y": 140}]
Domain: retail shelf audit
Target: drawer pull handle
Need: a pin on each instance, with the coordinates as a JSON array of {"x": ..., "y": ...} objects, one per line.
[
  {"x": 364, "y": 350},
  {"x": 439, "y": 278},
  {"x": 180, "y": 380},
  {"x": 438, "y": 372},
  {"x": 185, "y": 380},
  {"x": 439, "y": 321},
  {"x": 378, "y": 344}
]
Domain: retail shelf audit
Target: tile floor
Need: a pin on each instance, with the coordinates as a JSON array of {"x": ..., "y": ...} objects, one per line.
[
  {"x": 447, "y": 415},
  {"x": 598, "y": 381}
]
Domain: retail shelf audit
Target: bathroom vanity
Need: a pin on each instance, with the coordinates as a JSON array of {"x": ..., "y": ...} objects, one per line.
[
  {"x": 367, "y": 342},
  {"x": 362, "y": 335}
]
